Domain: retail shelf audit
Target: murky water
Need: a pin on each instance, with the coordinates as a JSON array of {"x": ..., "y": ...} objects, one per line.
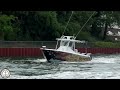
[{"x": 101, "y": 67}]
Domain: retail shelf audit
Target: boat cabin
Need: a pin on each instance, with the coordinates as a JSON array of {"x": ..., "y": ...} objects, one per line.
[{"x": 67, "y": 43}]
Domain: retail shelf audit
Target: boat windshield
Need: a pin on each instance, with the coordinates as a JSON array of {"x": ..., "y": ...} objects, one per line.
[
  {"x": 70, "y": 44},
  {"x": 64, "y": 43},
  {"x": 67, "y": 43}
]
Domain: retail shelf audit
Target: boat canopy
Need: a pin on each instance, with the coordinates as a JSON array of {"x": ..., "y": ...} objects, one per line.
[{"x": 69, "y": 38}]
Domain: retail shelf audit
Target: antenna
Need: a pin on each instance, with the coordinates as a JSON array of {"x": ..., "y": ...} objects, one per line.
[
  {"x": 67, "y": 23},
  {"x": 85, "y": 24}
]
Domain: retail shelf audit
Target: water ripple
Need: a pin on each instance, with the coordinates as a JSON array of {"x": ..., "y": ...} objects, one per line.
[{"x": 101, "y": 67}]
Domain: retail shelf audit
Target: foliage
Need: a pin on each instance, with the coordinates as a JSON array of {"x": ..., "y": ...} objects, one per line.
[
  {"x": 49, "y": 25},
  {"x": 5, "y": 24},
  {"x": 107, "y": 44},
  {"x": 86, "y": 36}
]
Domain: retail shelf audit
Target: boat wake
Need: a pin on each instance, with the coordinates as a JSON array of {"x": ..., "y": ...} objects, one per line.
[
  {"x": 40, "y": 60},
  {"x": 100, "y": 67},
  {"x": 72, "y": 75},
  {"x": 106, "y": 59}
]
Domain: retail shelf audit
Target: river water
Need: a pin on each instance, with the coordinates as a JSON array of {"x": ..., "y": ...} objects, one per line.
[{"x": 101, "y": 67}]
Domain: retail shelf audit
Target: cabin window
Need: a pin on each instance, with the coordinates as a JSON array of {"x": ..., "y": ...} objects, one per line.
[
  {"x": 65, "y": 43},
  {"x": 70, "y": 44},
  {"x": 65, "y": 37},
  {"x": 71, "y": 38}
]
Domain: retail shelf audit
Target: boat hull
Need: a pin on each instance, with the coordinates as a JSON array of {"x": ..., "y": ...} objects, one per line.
[{"x": 64, "y": 56}]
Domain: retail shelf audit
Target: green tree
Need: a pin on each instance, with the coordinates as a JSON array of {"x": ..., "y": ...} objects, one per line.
[
  {"x": 103, "y": 20},
  {"x": 5, "y": 25}
]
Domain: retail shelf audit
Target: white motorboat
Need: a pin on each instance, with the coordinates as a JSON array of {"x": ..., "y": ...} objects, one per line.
[{"x": 66, "y": 50}]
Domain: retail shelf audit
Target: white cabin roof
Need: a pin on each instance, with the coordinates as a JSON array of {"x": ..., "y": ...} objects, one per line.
[{"x": 69, "y": 38}]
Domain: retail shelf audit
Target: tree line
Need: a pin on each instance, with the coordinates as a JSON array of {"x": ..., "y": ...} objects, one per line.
[{"x": 49, "y": 25}]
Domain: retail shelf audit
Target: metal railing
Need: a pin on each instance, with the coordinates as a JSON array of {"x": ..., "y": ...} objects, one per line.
[{"x": 49, "y": 44}]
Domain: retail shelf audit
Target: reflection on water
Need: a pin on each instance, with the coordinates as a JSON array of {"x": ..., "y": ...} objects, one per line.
[{"x": 101, "y": 67}]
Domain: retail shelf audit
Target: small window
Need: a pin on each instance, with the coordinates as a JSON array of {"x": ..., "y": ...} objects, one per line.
[
  {"x": 70, "y": 44},
  {"x": 65, "y": 43},
  {"x": 65, "y": 37},
  {"x": 71, "y": 38}
]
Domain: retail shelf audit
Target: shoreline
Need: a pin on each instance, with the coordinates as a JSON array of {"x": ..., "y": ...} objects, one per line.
[{"x": 36, "y": 52}]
